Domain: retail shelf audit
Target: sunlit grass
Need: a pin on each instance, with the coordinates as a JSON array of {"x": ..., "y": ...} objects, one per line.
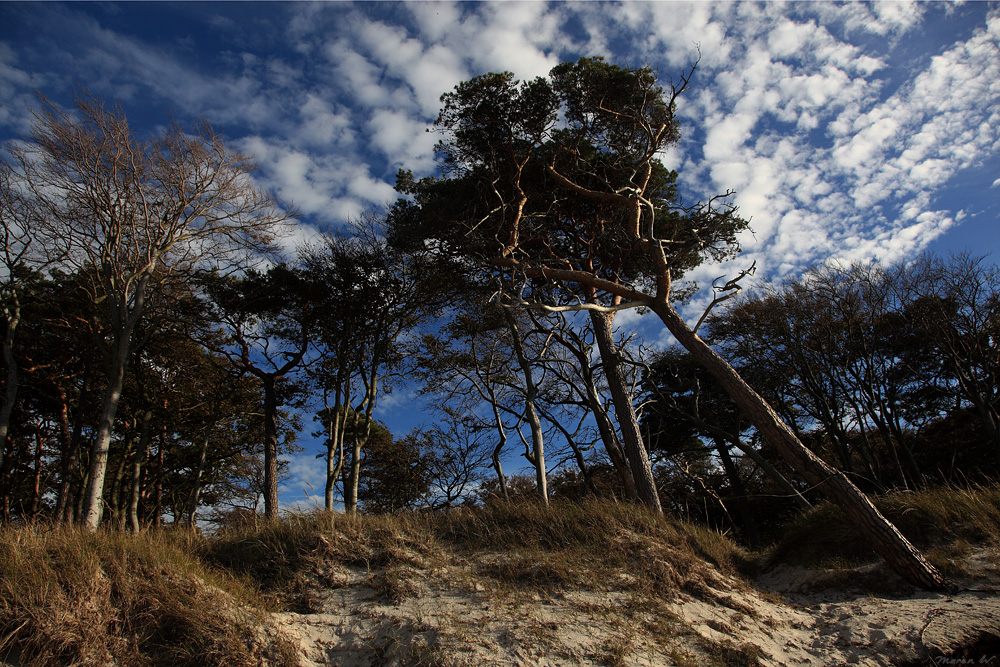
[{"x": 77, "y": 598}]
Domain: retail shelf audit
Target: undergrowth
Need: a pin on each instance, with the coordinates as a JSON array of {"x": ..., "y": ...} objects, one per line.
[{"x": 943, "y": 521}]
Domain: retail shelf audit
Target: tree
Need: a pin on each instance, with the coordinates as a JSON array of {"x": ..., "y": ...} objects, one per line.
[
  {"x": 397, "y": 472},
  {"x": 21, "y": 263},
  {"x": 954, "y": 304},
  {"x": 458, "y": 454},
  {"x": 140, "y": 214},
  {"x": 556, "y": 181},
  {"x": 470, "y": 363},
  {"x": 578, "y": 377},
  {"x": 269, "y": 320},
  {"x": 373, "y": 294}
]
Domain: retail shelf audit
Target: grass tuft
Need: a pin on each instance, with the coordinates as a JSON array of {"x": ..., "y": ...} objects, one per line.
[
  {"x": 78, "y": 598},
  {"x": 943, "y": 520}
]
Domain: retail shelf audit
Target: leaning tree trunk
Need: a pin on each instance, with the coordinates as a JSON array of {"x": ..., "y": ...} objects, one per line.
[
  {"x": 884, "y": 537},
  {"x": 628, "y": 423}
]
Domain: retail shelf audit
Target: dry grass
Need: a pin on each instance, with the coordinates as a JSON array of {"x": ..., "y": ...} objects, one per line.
[
  {"x": 69, "y": 597},
  {"x": 518, "y": 546},
  {"x": 173, "y": 598},
  {"x": 943, "y": 521}
]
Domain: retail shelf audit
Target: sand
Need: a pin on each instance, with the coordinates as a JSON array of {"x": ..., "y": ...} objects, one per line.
[{"x": 450, "y": 615}]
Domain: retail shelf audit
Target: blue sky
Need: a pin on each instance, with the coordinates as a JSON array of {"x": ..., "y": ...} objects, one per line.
[{"x": 848, "y": 131}]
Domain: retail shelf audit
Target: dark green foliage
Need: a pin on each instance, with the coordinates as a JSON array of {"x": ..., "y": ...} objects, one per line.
[{"x": 562, "y": 173}]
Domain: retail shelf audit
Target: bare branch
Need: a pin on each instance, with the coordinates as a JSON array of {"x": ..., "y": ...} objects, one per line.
[{"x": 725, "y": 292}]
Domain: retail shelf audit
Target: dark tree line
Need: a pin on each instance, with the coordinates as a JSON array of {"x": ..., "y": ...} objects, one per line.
[{"x": 889, "y": 373}]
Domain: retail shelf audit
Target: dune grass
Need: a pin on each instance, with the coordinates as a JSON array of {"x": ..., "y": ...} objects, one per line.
[
  {"x": 516, "y": 545},
  {"x": 69, "y": 597},
  {"x": 944, "y": 521}
]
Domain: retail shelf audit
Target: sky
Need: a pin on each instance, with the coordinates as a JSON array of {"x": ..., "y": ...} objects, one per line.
[{"x": 848, "y": 132}]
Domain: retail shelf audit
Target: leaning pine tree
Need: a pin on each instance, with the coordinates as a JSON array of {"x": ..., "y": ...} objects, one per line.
[{"x": 553, "y": 186}]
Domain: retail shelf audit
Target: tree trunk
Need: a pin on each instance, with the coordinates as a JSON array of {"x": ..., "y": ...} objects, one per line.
[
  {"x": 628, "y": 423},
  {"x": 368, "y": 404},
  {"x": 93, "y": 502},
  {"x": 612, "y": 445},
  {"x": 115, "y": 496},
  {"x": 199, "y": 474},
  {"x": 334, "y": 452},
  {"x": 10, "y": 391},
  {"x": 67, "y": 441},
  {"x": 351, "y": 488},
  {"x": 501, "y": 443},
  {"x": 883, "y": 536},
  {"x": 537, "y": 454},
  {"x": 158, "y": 484},
  {"x": 36, "y": 473},
  {"x": 140, "y": 456},
  {"x": 270, "y": 447},
  {"x": 606, "y": 429}
]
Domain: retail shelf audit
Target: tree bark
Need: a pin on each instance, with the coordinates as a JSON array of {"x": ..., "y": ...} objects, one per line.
[
  {"x": 270, "y": 446},
  {"x": 10, "y": 391},
  {"x": 884, "y": 537},
  {"x": 628, "y": 423},
  {"x": 93, "y": 502},
  {"x": 537, "y": 454}
]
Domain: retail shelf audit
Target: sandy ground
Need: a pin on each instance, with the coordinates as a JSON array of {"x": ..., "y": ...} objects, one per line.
[{"x": 791, "y": 616}]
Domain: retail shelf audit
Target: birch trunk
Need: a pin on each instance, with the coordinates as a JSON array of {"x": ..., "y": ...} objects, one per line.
[{"x": 93, "y": 501}]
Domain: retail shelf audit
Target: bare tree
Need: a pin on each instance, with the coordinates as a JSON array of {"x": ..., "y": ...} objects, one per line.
[{"x": 137, "y": 214}]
